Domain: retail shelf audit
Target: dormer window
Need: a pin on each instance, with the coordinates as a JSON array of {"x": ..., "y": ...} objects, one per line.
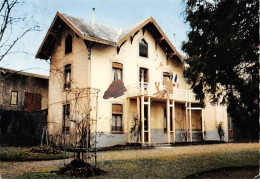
[
  {"x": 143, "y": 48},
  {"x": 68, "y": 44}
]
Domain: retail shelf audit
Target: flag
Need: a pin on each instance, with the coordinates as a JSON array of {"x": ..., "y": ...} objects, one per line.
[
  {"x": 176, "y": 81},
  {"x": 171, "y": 75}
]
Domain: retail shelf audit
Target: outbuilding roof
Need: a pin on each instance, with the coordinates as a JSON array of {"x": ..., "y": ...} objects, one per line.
[
  {"x": 102, "y": 34},
  {"x": 8, "y": 72}
]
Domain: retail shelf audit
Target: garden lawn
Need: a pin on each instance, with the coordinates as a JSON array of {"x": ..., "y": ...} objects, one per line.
[
  {"x": 24, "y": 154},
  {"x": 168, "y": 166}
]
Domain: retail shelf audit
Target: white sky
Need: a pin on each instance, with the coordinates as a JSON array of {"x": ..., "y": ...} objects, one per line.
[{"x": 117, "y": 13}]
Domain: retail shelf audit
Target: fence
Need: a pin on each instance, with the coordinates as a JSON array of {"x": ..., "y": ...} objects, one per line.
[{"x": 22, "y": 128}]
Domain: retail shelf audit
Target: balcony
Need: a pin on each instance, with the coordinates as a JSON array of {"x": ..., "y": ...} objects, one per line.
[{"x": 159, "y": 91}]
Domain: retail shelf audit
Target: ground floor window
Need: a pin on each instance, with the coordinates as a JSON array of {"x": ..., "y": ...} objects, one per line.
[{"x": 117, "y": 118}]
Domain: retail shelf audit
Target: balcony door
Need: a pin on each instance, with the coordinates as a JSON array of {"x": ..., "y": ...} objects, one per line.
[{"x": 143, "y": 74}]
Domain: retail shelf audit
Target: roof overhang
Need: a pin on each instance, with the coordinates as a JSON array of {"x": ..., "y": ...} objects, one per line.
[
  {"x": 53, "y": 36},
  {"x": 59, "y": 22},
  {"x": 159, "y": 36}
]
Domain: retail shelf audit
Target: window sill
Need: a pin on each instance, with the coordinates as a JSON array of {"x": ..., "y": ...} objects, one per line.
[
  {"x": 117, "y": 132},
  {"x": 68, "y": 54},
  {"x": 67, "y": 89}
]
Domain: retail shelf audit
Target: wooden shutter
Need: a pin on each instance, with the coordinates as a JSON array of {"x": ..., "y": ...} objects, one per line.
[
  {"x": 32, "y": 102},
  {"x": 117, "y": 109},
  {"x": 117, "y": 65}
]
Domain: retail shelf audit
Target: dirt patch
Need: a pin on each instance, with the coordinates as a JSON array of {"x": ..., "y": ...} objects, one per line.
[
  {"x": 247, "y": 172},
  {"x": 80, "y": 169}
]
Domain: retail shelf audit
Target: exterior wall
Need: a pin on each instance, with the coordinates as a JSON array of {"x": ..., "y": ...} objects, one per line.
[
  {"x": 79, "y": 75},
  {"x": 97, "y": 73},
  {"x": 21, "y": 83},
  {"x": 214, "y": 115}
]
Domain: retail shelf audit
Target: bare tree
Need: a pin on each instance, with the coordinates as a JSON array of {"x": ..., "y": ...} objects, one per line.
[
  {"x": 14, "y": 26},
  {"x": 135, "y": 128},
  {"x": 184, "y": 130},
  {"x": 82, "y": 117}
]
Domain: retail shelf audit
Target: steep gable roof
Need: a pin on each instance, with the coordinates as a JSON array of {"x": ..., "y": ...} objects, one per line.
[
  {"x": 102, "y": 34},
  {"x": 99, "y": 31}
]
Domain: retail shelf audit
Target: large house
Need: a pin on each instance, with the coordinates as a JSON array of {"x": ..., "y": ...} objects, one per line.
[{"x": 139, "y": 76}]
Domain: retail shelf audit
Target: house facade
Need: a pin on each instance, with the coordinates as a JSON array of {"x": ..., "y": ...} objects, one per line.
[{"x": 142, "y": 95}]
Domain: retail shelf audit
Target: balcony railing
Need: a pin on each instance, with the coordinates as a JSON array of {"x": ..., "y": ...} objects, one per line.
[{"x": 149, "y": 89}]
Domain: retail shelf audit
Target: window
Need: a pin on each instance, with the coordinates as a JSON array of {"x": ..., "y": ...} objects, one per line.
[
  {"x": 143, "y": 74},
  {"x": 166, "y": 77},
  {"x": 14, "y": 98},
  {"x": 68, "y": 44},
  {"x": 66, "y": 118},
  {"x": 67, "y": 76},
  {"x": 165, "y": 120},
  {"x": 117, "y": 116},
  {"x": 143, "y": 48},
  {"x": 117, "y": 69}
]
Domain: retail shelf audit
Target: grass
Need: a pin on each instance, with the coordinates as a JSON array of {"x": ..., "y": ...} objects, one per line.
[
  {"x": 24, "y": 154},
  {"x": 169, "y": 167},
  {"x": 44, "y": 175}
]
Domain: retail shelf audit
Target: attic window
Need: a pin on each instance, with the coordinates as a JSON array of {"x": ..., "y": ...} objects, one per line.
[
  {"x": 68, "y": 44},
  {"x": 143, "y": 48}
]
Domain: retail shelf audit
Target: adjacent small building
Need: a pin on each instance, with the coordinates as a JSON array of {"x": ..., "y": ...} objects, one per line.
[
  {"x": 23, "y": 107},
  {"x": 21, "y": 91}
]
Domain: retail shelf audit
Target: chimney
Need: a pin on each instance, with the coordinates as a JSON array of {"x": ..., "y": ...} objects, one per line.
[
  {"x": 93, "y": 17},
  {"x": 174, "y": 40}
]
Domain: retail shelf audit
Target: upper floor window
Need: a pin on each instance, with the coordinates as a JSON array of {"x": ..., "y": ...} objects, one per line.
[
  {"x": 166, "y": 77},
  {"x": 143, "y": 75},
  {"x": 14, "y": 98},
  {"x": 117, "y": 69},
  {"x": 117, "y": 116},
  {"x": 66, "y": 118},
  {"x": 68, "y": 44},
  {"x": 143, "y": 48},
  {"x": 67, "y": 76}
]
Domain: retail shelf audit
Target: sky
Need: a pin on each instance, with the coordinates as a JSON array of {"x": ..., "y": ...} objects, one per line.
[{"x": 118, "y": 13}]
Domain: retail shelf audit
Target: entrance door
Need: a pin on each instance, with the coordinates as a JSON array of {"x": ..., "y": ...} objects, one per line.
[
  {"x": 146, "y": 128},
  {"x": 143, "y": 74}
]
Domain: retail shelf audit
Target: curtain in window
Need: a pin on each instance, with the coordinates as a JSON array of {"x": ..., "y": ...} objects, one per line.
[
  {"x": 119, "y": 122},
  {"x": 114, "y": 120},
  {"x": 119, "y": 74}
]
